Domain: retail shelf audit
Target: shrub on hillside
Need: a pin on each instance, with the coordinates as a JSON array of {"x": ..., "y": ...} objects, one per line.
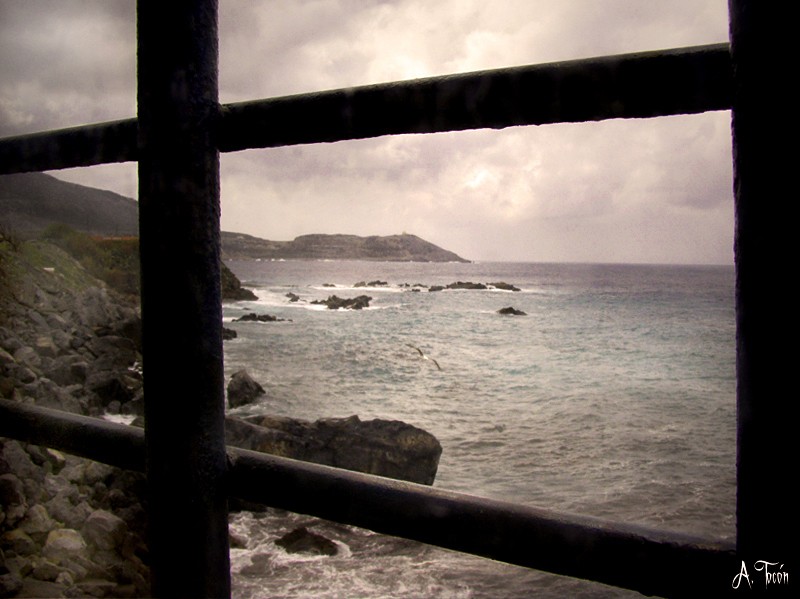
[{"x": 112, "y": 260}]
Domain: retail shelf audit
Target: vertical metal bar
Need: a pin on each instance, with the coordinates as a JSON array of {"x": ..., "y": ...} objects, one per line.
[
  {"x": 765, "y": 161},
  {"x": 181, "y": 310}
]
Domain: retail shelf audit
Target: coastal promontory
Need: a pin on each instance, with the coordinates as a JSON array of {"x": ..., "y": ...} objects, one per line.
[{"x": 390, "y": 248}]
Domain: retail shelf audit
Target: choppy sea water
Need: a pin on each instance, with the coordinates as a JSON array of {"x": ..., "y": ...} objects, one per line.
[{"x": 614, "y": 397}]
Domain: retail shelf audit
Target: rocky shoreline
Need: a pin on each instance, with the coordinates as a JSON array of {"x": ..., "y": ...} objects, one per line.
[{"x": 71, "y": 527}]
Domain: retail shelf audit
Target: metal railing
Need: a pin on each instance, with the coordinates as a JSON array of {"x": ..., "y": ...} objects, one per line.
[{"x": 176, "y": 139}]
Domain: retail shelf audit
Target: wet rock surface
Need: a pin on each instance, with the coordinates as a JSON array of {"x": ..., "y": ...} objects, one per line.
[{"x": 383, "y": 447}]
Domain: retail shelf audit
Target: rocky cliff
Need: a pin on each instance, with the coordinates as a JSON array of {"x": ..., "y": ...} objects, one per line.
[{"x": 68, "y": 526}]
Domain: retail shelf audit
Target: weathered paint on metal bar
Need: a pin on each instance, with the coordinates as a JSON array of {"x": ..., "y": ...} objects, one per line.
[
  {"x": 179, "y": 241},
  {"x": 649, "y": 84},
  {"x": 650, "y": 561}
]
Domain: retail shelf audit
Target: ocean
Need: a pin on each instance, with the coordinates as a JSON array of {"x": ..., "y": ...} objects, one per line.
[{"x": 614, "y": 396}]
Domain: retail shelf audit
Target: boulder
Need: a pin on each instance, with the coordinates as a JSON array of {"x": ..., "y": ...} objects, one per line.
[
  {"x": 243, "y": 390},
  {"x": 12, "y": 497},
  {"x": 383, "y": 447},
  {"x": 228, "y": 334},
  {"x": 63, "y": 544},
  {"x": 19, "y": 542},
  {"x": 302, "y": 540},
  {"x": 104, "y": 530}
]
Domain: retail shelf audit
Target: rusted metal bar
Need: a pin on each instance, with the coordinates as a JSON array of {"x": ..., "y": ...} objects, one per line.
[
  {"x": 765, "y": 163},
  {"x": 639, "y": 85},
  {"x": 181, "y": 308},
  {"x": 628, "y": 86},
  {"x": 650, "y": 561}
]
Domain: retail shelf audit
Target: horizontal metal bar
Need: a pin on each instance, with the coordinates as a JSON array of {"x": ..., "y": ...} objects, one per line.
[
  {"x": 86, "y": 145},
  {"x": 649, "y": 561},
  {"x": 649, "y": 84},
  {"x": 93, "y": 438}
]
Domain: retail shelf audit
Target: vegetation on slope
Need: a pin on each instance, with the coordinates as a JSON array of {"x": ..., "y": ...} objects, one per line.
[{"x": 113, "y": 260}]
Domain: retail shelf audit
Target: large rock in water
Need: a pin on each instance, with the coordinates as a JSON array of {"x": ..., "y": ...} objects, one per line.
[
  {"x": 242, "y": 389},
  {"x": 384, "y": 447},
  {"x": 338, "y": 303}
]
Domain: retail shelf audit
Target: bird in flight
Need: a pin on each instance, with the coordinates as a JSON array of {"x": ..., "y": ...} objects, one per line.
[{"x": 424, "y": 357}]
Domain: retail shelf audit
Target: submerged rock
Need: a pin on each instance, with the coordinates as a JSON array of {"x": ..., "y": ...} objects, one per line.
[
  {"x": 302, "y": 540},
  {"x": 384, "y": 447},
  {"x": 504, "y": 286}
]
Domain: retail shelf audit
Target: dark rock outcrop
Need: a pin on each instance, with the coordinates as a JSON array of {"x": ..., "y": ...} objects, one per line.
[
  {"x": 337, "y": 303},
  {"x": 302, "y": 540},
  {"x": 253, "y": 317},
  {"x": 231, "y": 288},
  {"x": 511, "y": 311},
  {"x": 243, "y": 390},
  {"x": 466, "y": 285},
  {"x": 384, "y": 447}
]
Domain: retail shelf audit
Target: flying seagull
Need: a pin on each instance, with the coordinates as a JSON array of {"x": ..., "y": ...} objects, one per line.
[{"x": 424, "y": 357}]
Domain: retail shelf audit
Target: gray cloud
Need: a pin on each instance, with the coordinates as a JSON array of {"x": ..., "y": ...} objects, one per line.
[{"x": 653, "y": 190}]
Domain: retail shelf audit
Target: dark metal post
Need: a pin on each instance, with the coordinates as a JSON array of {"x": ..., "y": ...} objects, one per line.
[
  {"x": 764, "y": 52},
  {"x": 181, "y": 310}
]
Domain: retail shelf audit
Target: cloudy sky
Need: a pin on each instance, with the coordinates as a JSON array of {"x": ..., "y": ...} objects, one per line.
[{"x": 655, "y": 190}]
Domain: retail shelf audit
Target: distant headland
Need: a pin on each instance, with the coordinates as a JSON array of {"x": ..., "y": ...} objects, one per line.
[
  {"x": 390, "y": 248},
  {"x": 30, "y": 202}
]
